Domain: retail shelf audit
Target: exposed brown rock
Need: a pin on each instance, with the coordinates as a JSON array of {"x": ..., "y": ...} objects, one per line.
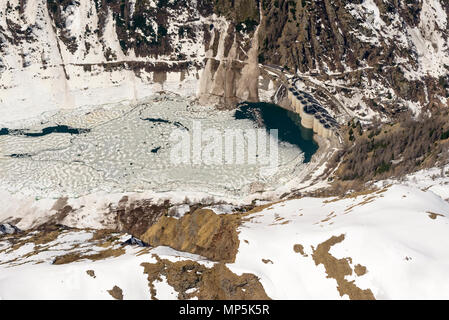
[
  {"x": 116, "y": 293},
  {"x": 359, "y": 270},
  {"x": 216, "y": 283},
  {"x": 77, "y": 256},
  {"x": 39, "y": 237},
  {"x": 267, "y": 261},
  {"x": 299, "y": 248},
  {"x": 338, "y": 269},
  {"x": 433, "y": 215},
  {"x": 136, "y": 217},
  {"x": 59, "y": 204},
  {"x": 104, "y": 235},
  {"x": 63, "y": 211},
  {"x": 202, "y": 232}
]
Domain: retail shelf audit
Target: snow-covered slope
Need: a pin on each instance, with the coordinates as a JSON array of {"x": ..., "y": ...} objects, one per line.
[
  {"x": 68, "y": 54},
  {"x": 108, "y": 265},
  {"x": 384, "y": 244}
]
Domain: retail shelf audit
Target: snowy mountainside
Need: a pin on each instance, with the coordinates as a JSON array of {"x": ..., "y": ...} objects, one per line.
[
  {"x": 66, "y": 54},
  {"x": 375, "y": 245},
  {"x": 63, "y": 56},
  {"x": 366, "y": 58},
  {"x": 376, "y": 57}
]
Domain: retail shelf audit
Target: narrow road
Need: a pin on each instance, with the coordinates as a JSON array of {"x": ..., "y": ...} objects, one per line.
[{"x": 284, "y": 76}]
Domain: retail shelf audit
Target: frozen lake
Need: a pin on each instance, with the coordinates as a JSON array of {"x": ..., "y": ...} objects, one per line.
[{"x": 125, "y": 148}]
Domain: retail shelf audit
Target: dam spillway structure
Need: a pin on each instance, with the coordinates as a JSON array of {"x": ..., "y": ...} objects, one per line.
[
  {"x": 313, "y": 115},
  {"x": 321, "y": 126},
  {"x": 296, "y": 103},
  {"x": 290, "y": 93},
  {"x": 308, "y": 115},
  {"x": 327, "y": 131},
  {"x": 316, "y": 122}
]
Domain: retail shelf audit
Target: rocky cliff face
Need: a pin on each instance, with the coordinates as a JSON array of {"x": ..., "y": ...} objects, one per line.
[
  {"x": 378, "y": 56},
  {"x": 231, "y": 71},
  {"x": 373, "y": 56},
  {"x": 64, "y": 54}
]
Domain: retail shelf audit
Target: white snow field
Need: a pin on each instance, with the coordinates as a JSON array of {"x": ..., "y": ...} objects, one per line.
[
  {"x": 390, "y": 242},
  {"x": 71, "y": 281},
  {"x": 129, "y": 148},
  {"x": 397, "y": 233}
]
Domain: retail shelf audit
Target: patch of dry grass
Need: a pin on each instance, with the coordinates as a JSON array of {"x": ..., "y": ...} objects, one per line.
[
  {"x": 77, "y": 256},
  {"x": 299, "y": 248},
  {"x": 116, "y": 293},
  {"x": 433, "y": 215},
  {"x": 215, "y": 283},
  {"x": 338, "y": 269}
]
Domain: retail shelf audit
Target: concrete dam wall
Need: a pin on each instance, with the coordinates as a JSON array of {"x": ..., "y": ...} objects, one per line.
[{"x": 313, "y": 114}]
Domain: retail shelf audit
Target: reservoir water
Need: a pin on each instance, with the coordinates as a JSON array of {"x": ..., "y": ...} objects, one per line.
[{"x": 286, "y": 122}]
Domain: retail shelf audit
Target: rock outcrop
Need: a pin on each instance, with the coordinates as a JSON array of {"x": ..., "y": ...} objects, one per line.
[
  {"x": 191, "y": 279},
  {"x": 231, "y": 73},
  {"x": 202, "y": 232}
]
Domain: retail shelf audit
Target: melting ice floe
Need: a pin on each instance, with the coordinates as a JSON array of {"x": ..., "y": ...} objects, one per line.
[{"x": 128, "y": 148}]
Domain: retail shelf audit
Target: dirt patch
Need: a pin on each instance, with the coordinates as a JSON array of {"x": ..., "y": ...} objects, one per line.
[
  {"x": 106, "y": 254},
  {"x": 44, "y": 238},
  {"x": 202, "y": 232},
  {"x": 352, "y": 195},
  {"x": 362, "y": 203},
  {"x": 299, "y": 248},
  {"x": 433, "y": 215},
  {"x": 191, "y": 279},
  {"x": 67, "y": 258},
  {"x": 267, "y": 261},
  {"x": 359, "y": 270},
  {"x": 338, "y": 269},
  {"x": 105, "y": 238},
  {"x": 116, "y": 293},
  {"x": 102, "y": 234},
  {"x": 142, "y": 252},
  {"x": 77, "y": 256},
  {"x": 260, "y": 208},
  {"x": 91, "y": 273}
]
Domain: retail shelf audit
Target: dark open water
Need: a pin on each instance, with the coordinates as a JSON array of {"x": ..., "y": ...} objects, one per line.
[
  {"x": 44, "y": 132},
  {"x": 288, "y": 124}
]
